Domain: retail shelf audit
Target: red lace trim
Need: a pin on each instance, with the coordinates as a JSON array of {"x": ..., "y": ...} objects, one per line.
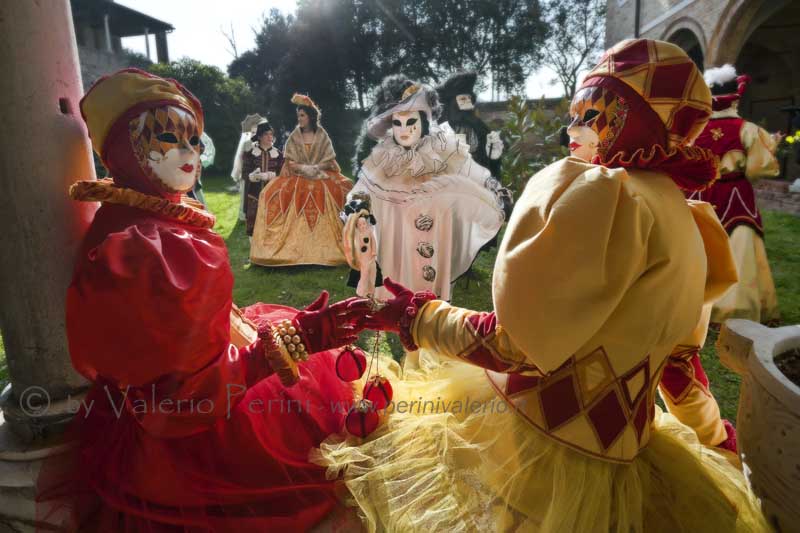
[{"x": 691, "y": 168}]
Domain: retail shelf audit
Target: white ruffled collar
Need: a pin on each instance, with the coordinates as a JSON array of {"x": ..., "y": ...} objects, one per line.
[
  {"x": 428, "y": 157},
  {"x": 256, "y": 151}
]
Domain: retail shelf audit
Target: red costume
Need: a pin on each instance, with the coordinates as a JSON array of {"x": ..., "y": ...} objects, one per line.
[
  {"x": 732, "y": 195},
  {"x": 746, "y": 153},
  {"x": 181, "y": 430}
]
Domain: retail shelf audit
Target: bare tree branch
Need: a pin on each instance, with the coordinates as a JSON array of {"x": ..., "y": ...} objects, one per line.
[
  {"x": 231, "y": 38},
  {"x": 576, "y": 28}
]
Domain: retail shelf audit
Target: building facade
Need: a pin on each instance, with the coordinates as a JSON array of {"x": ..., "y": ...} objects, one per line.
[
  {"x": 759, "y": 37},
  {"x": 100, "y": 26}
]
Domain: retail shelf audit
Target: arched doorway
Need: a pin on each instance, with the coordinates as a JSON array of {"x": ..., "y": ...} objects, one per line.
[
  {"x": 686, "y": 39},
  {"x": 769, "y": 54}
]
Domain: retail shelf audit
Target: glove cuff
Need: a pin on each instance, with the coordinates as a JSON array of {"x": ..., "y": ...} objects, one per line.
[{"x": 408, "y": 316}]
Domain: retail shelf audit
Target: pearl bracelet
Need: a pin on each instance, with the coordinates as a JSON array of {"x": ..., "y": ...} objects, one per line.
[
  {"x": 288, "y": 335},
  {"x": 277, "y": 355}
]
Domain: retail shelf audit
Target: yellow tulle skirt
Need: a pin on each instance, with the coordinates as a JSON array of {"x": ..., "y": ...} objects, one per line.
[{"x": 458, "y": 459}]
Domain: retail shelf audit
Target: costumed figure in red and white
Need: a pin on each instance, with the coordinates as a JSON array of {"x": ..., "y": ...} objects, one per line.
[
  {"x": 746, "y": 153},
  {"x": 188, "y": 425}
]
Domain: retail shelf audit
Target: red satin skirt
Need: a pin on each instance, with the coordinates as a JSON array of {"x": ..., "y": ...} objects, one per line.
[{"x": 247, "y": 473}]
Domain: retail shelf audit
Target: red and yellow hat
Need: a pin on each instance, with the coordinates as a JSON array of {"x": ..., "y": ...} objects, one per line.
[
  {"x": 119, "y": 97},
  {"x": 666, "y": 104},
  {"x": 666, "y": 79}
]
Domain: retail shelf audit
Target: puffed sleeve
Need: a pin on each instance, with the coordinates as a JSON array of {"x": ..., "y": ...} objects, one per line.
[
  {"x": 576, "y": 242},
  {"x": 470, "y": 336},
  {"x": 760, "y": 147},
  {"x": 148, "y": 312},
  {"x": 684, "y": 385}
]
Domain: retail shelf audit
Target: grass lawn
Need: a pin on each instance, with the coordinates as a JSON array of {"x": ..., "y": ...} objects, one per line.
[{"x": 298, "y": 286}]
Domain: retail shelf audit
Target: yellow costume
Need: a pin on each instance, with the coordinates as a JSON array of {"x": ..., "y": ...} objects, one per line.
[
  {"x": 541, "y": 417},
  {"x": 298, "y": 212}
]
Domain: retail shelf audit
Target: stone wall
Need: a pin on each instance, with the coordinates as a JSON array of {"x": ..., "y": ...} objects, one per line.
[
  {"x": 774, "y": 195},
  {"x": 659, "y": 19},
  {"x": 96, "y": 63}
]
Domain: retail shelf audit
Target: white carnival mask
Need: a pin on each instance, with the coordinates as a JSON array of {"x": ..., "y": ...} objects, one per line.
[
  {"x": 464, "y": 102},
  {"x": 407, "y": 128},
  {"x": 166, "y": 141}
]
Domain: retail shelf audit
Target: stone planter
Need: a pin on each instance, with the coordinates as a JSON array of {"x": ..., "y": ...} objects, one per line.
[{"x": 768, "y": 421}]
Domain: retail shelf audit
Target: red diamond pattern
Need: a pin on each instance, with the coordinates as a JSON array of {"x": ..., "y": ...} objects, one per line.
[
  {"x": 640, "y": 420},
  {"x": 676, "y": 378},
  {"x": 608, "y": 418},
  {"x": 519, "y": 383},
  {"x": 669, "y": 81},
  {"x": 601, "y": 122},
  {"x": 632, "y": 56},
  {"x": 685, "y": 118},
  {"x": 560, "y": 402}
]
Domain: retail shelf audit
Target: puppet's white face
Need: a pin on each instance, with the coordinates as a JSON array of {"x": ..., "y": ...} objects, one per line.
[
  {"x": 583, "y": 141},
  {"x": 166, "y": 141},
  {"x": 407, "y": 128},
  {"x": 464, "y": 102}
]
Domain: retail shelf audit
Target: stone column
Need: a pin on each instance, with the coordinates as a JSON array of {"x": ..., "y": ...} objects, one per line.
[
  {"x": 162, "y": 52},
  {"x": 44, "y": 148}
]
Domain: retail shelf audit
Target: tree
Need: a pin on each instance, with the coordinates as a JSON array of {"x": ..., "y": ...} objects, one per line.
[
  {"x": 498, "y": 38},
  {"x": 338, "y": 51},
  {"x": 531, "y": 133},
  {"x": 358, "y": 42},
  {"x": 225, "y": 101},
  {"x": 575, "y": 38}
]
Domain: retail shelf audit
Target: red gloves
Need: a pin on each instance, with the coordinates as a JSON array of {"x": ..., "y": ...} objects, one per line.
[
  {"x": 399, "y": 312},
  {"x": 323, "y": 327}
]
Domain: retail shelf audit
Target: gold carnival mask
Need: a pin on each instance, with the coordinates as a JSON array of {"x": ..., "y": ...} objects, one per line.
[
  {"x": 597, "y": 117},
  {"x": 166, "y": 142}
]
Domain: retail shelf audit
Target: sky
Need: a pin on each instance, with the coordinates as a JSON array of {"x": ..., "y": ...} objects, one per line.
[{"x": 199, "y": 25}]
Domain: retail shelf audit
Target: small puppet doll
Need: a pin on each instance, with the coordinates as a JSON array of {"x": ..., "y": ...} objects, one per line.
[{"x": 360, "y": 246}]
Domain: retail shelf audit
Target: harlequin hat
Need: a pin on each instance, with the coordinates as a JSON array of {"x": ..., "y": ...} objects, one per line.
[
  {"x": 666, "y": 78},
  {"x": 117, "y": 98},
  {"x": 665, "y": 104}
]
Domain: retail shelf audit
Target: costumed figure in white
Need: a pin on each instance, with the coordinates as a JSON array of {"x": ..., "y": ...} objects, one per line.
[
  {"x": 360, "y": 247},
  {"x": 435, "y": 207}
]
